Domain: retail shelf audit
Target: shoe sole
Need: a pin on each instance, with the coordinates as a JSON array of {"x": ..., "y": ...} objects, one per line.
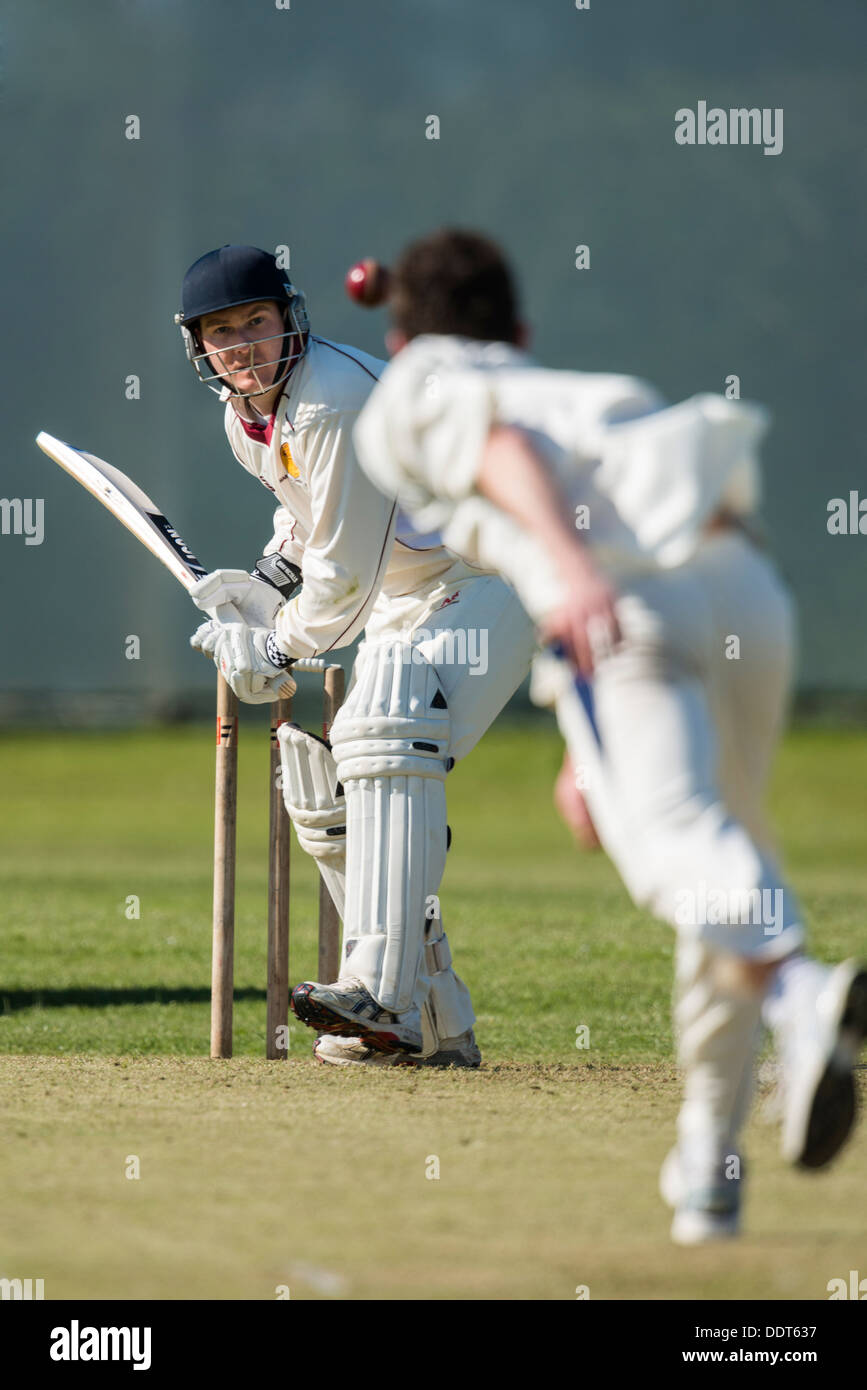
[
  {"x": 381, "y": 1059},
  {"x": 325, "y": 1020},
  {"x": 833, "y": 1107},
  {"x": 441, "y": 1061}
]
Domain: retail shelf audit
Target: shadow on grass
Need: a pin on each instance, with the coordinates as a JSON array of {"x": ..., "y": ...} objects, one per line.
[{"x": 93, "y": 997}]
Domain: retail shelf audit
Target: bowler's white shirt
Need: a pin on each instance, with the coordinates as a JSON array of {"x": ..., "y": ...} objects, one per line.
[{"x": 650, "y": 475}]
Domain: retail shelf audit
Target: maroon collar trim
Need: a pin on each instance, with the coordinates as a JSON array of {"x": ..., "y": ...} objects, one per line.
[{"x": 260, "y": 434}]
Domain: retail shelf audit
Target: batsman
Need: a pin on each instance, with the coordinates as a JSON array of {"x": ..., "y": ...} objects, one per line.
[{"x": 445, "y": 644}]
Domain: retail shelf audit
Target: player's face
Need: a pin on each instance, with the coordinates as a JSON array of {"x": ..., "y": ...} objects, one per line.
[{"x": 244, "y": 345}]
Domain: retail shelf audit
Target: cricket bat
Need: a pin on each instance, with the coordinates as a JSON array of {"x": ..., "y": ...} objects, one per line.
[{"x": 139, "y": 514}]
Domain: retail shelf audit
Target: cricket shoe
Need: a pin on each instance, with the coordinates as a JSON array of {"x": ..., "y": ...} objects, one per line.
[
  {"x": 819, "y": 1044},
  {"x": 706, "y": 1201},
  {"x": 455, "y": 1052},
  {"x": 348, "y": 1009},
  {"x": 353, "y": 1052}
]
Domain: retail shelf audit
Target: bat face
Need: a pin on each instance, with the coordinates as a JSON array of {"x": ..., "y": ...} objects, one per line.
[{"x": 132, "y": 507}]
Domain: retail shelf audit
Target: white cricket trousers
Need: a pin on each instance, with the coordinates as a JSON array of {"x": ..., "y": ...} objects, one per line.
[{"x": 688, "y": 713}]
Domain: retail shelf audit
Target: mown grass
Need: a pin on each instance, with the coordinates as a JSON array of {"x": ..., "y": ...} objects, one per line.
[{"x": 255, "y": 1175}]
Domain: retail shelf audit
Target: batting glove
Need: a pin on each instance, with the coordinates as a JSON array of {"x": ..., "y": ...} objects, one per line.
[
  {"x": 204, "y": 639},
  {"x": 253, "y": 663}
]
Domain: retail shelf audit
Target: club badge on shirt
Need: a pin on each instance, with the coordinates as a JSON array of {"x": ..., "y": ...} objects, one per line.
[{"x": 288, "y": 461}]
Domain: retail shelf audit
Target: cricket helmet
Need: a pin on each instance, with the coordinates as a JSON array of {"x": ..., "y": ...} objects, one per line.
[{"x": 225, "y": 279}]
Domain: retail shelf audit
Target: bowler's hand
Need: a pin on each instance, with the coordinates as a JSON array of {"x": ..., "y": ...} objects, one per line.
[{"x": 585, "y": 624}]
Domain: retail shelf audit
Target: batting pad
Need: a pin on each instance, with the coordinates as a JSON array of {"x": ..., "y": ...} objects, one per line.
[
  {"x": 391, "y": 742},
  {"x": 315, "y": 804}
]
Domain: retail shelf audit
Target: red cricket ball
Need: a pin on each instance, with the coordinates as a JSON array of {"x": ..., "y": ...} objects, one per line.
[{"x": 367, "y": 282}]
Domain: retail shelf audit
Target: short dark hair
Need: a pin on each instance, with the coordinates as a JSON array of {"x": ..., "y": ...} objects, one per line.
[{"x": 455, "y": 282}]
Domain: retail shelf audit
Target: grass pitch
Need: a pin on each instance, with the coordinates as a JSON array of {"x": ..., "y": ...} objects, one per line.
[{"x": 256, "y": 1178}]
